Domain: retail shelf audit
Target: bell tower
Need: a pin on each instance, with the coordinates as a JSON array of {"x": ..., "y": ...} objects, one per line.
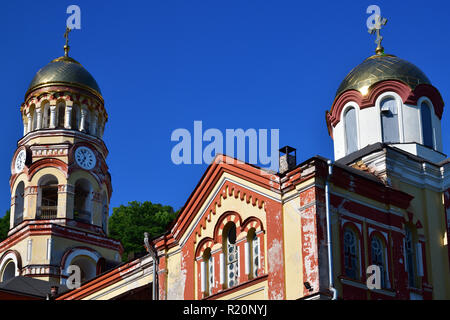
[{"x": 60, "y": 184}]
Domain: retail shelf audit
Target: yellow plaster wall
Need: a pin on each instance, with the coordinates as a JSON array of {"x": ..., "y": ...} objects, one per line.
[
  {"x": 130, "y": 282},
  {"x": 428, "y": 206},
  {"x": 293, "y": 260},
  {"x": 255, "y": 292},
  {"x": 176, "y": 278}
]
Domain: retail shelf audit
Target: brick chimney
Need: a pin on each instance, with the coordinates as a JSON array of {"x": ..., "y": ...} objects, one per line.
[
  {"x": 54, "y": 291},
  {"x": 288, "y": 159}
]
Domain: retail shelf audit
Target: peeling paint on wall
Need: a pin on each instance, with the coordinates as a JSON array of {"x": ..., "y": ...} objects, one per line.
[
  {"x": 177, "y": 280},
  {"x": 275, "y": 256}
]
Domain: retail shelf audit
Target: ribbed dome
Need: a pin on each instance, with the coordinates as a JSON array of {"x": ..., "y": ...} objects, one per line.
[
  {"x": 382, "y": 67},
  {"x": 64, "y": 71}
]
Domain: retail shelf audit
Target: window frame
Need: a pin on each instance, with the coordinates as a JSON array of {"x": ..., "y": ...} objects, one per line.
[{"x": 359, "y": 246}]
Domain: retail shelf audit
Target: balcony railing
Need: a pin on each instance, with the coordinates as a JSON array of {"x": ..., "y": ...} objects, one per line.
[{"x": 47, "y": 212}]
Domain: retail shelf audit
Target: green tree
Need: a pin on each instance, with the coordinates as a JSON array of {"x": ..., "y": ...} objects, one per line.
[
  {"x": 4, "y": 226},
  {"x": 128, "y": 224}
]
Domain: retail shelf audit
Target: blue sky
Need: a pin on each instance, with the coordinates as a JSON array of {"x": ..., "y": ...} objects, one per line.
[{"x": 232, "y": 64}]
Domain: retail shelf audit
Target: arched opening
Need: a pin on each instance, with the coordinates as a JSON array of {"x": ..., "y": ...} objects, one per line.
[
  {"x": 61, "y": 115},
  {"x": 33, "y": 119},
  {"x": 389, "y": 121},
  {"x": 9, "y": 271},
  {"x": 410, "y": 245},
  {"x": 46, "y": 117},
  {"x": 351, "y": 131},
  {"x": 87, "y": 265},
  {"x": 378, "y": 257},
  {"x": 207, "y": 272},
  {"x": 427, "y": 125},
  {"x": 48, "y": 197},
  {"x": 75, "y": 118},
  {"x": 82, "y": 203},
  {"x": 253, "y": 254},
  {"x": 231, "y": 254},
  {"x": 87, "y": 121},
  {"x": 19, "y": 203},
  {"x": 351, "y": 253}
]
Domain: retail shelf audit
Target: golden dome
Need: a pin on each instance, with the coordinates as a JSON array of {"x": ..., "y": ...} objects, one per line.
[
  {"x": 382, "y": 67},
  {"x": 64, "y": 71}
]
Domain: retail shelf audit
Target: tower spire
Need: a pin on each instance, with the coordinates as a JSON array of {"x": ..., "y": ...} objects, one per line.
[
  {"x": 66, "y": 46},
  {"x": 380, "y": 22}
]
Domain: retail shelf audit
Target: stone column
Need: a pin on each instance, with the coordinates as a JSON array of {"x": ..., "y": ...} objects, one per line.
[
  {"x": 68, "y": 115},
  {"x": 101, "y": 126},
  {"x": 29, "y": 123},
  {"x": 68, "y": 118},
  {"x": 25, "y": 125},
  {"x": 12, "y": 212},
  {"x": 38, "y": 118},
  {"x": 96, "y": 209},
  {"x": 31, "y": 201},
  {"x": 94, "y": 122},
  {"x": 66, "y": 193},
  {"x": 84, "y": 112},
  {"x": 53, "y": 115}
]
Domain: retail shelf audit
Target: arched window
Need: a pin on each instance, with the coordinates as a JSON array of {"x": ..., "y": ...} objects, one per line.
[
  {"x": 48, "y": 197},
  {"x": 389, "y": 120},
  {"x": 351, "y": 254},
  {"x": 82, "y": 203},
  {"x": 46, "y": 117},
  {"x": 231, "y": 255},
  {"x": 9, "y": 271},
  {"x": 19, "y": 204},
  {"x": 207, "y": 272},
  {"x": 75, "y": 118},
  {"x": 378, "y": 257},
  {"x": 34, "y": 119},
  {"x": 61, "y": 115},
  {"x": 351, "y": 131},
  {"x": 252, "y": 254},
  {"x": 427, "y": 125},
  {"x": 87, "y": 121},
  {"x": 410, "y": 257},
  {"x": 88, "y": 267}
]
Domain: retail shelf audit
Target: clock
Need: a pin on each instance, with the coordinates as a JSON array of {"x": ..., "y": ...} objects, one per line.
[
  {"x": 85, "y": 158},
  {"x": 20, "y": 161}
]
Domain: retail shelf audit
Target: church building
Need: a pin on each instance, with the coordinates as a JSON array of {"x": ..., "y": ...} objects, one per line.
[
  {"x": 314, "y": 230},
  {"x": 60, "y": 184}
]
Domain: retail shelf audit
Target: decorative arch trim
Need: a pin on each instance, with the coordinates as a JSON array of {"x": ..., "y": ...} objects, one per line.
[
  {"x": 408, "y": 96},
  {"x": 223, "y": 221},
  {"x": 76, "y": 252},
  {"x": 15, "y": 257},
  {"x": 228, "y": 190},
  {"x": 47, "y": 163},
  {"x": 252, "y": 223},
  {"x": 203, "y": 245}
]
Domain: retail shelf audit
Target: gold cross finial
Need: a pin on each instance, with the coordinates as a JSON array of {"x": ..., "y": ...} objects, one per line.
[
  {"x": 379, "y": 22},
  {"x": 66, "y": 46}
]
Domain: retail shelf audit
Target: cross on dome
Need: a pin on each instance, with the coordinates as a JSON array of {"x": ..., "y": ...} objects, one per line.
[
  {"x": 66, "y": 46},
  {"x": 379, "y": 23}
]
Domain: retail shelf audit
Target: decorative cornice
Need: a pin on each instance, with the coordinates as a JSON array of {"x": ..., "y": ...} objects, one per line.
[{"x": 65, "y": 228}]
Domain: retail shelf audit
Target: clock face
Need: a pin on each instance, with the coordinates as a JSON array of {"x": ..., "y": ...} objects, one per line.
[
  {"x": 85, "y": 158},
  {"x": 20, "y": 161}
]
